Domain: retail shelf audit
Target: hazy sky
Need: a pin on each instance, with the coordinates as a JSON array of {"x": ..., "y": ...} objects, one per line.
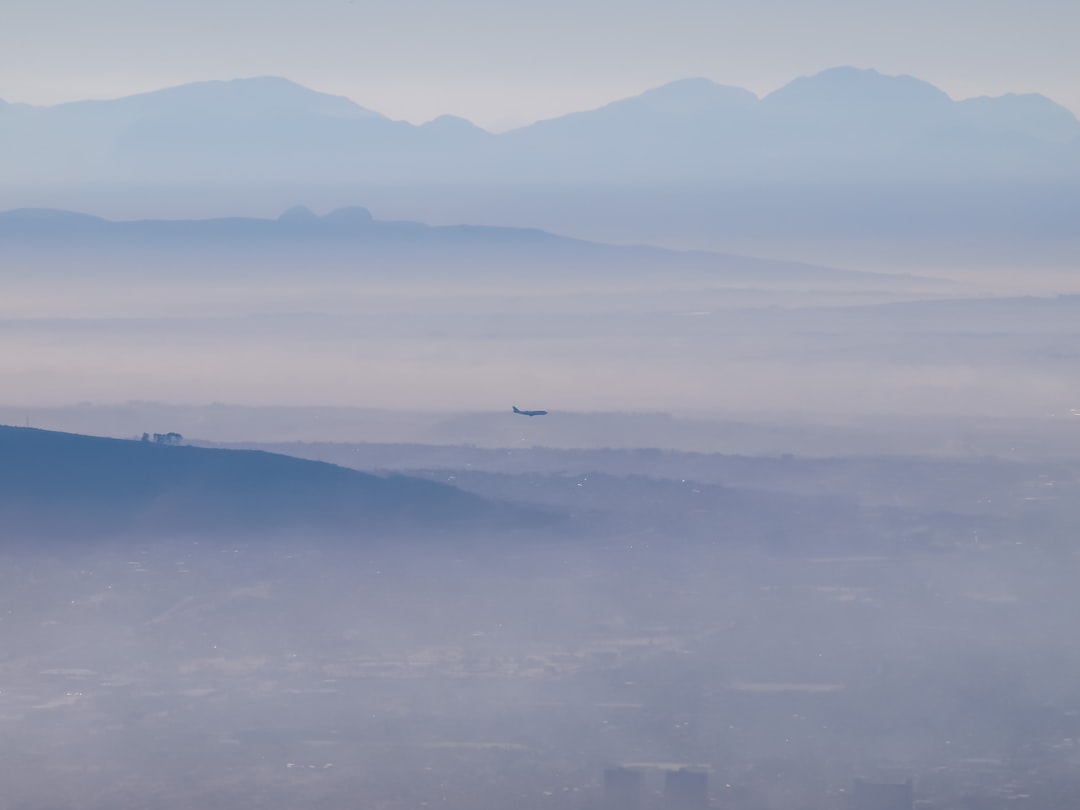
[{"x": 504, "y": 62}]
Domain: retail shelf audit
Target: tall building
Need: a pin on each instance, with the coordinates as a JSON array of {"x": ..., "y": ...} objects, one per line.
[
  {"x": 883, "y": 795},
  {"x": 622, "y": 789},
  {"x": 686, "y": 790}
]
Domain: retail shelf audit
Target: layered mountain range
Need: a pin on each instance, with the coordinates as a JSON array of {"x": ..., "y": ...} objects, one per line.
[{"x": 845, "y": 167}]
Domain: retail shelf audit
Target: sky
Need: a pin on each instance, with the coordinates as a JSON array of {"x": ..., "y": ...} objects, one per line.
[{"x": 503, "y": 63}]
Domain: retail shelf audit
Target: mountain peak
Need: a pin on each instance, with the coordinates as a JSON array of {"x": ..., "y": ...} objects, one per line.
[
  {"x": 695, "y": 87},
  {"x": 452, "y": 124},
  {"x": 694, "y": 95},
  {"x": 299, "y": 214},
  {"x": 676, "y": 101},
  {"x": 862, "y": 86},
  {"x": 260, "y": 95}
]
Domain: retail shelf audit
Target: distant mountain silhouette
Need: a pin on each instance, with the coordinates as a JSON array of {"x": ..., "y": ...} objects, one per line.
[
  {"x": 841, "y": 155},
  {"x": 69, "y": 487},
  {"x": 1024, "y": 114},
  {"x": 866, "y": 125},
  {"x": 268, "y": 95},
  {"x": 351, "y": 241},
  {"x": 661, "y": 111},
  {"x": 846, "y": 93}
]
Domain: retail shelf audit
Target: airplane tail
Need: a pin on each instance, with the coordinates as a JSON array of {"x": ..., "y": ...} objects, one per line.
[{"x": 516, "y": 409}]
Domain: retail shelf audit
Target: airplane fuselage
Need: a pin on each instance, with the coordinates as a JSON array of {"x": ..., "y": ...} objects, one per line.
[{"x": 529, "y": 413}]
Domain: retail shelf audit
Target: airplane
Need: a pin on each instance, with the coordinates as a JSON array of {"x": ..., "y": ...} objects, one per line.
[{"x": 530, "y": 413}]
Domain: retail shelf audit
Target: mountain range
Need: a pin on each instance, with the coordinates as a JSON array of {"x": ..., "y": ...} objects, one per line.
[
  {"x": 351, "y": 243},
  {"x": 843, "y": 123},
  {"x": 848, "y": 166}
]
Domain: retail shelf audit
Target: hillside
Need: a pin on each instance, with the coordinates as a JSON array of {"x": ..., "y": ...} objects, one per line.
[{"x": 70, "y": 487}]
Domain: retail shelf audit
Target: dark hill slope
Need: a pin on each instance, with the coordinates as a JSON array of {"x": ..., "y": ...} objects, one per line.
[{"x": 61, "y": 485}]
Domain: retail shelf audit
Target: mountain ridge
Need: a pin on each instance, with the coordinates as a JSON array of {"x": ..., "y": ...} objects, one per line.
[
  {"x": 252, "y": 94},
  {"x": 279, "y": 89},
  {"x": 54, "y": 483},
  {"x": 31, "y": 231},
  {"x": 275, "y": 113}
]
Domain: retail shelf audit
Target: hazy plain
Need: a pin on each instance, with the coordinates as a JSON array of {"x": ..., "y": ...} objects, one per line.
[{"x": 803, "y": 510}]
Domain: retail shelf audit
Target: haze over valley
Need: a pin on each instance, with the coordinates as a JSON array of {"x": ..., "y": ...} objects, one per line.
[{"x": 703, "y": 448}]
